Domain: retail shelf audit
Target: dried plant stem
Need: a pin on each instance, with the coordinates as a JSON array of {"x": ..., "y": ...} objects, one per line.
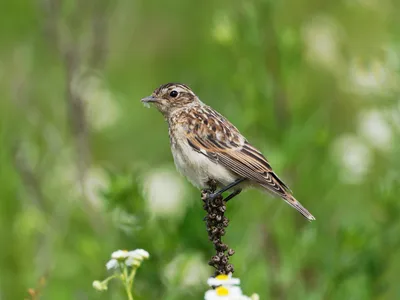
[{"x": 217, "y": 223}]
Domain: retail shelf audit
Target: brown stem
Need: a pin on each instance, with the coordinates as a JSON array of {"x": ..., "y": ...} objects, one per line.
[{"x": 217, "y": 223}]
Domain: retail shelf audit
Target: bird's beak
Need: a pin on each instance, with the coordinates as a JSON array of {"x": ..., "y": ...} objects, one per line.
[{"x": 149, "y": 99}]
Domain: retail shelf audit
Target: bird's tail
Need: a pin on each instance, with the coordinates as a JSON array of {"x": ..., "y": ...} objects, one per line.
[
  {"x": 297, "y": 205},
  {"x": 284, "y": 192}
]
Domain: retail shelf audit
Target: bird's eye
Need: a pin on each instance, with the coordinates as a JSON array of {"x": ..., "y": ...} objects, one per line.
[{"x": 173, "y": 94}]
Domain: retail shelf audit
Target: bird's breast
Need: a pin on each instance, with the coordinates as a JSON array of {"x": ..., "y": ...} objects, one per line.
[{"x": 195, "y": 166}]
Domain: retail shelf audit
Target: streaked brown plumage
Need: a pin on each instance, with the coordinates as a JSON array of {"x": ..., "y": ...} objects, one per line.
[{"x": 206, "y": 146}]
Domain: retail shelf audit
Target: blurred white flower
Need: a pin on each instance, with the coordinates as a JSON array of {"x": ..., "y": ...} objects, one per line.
[
  {"x": 125, "y": 264},
  {"x": 112, "y": 264},
  {"x": 368, "y": 77},
  {"x": 132, "y": 262},
  {"x": 94, "y": 182},
  {"x": 164, "y": 191},
  {"x": 222, "y": 30},
  {"x": 120, "y": 255},
  {"x": 321, "y": 38},
  {"x": 136, "y": 257},
  {"x": 187, "y": 270},
  {"x": 353, "y": 156},
  {"x": 100, "y": 286},
  {"x": 101, "y": 106},
  {"x": 375, "y": 129},
  {"x": 64, "y": 176},
  {"x": 139, "y": 254},
  {"x": 226, "y": 287},
  {"x": 129, "y": 258}
]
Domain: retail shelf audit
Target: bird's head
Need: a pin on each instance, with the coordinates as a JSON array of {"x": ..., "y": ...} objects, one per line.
[{"x": 170, "y": 97}]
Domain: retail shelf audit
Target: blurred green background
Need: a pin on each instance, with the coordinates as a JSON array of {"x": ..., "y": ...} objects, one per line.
[{"x": 85, "y": 169}]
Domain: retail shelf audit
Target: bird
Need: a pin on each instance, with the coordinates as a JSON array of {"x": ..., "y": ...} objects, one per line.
[{"x": 207, "y": 148}]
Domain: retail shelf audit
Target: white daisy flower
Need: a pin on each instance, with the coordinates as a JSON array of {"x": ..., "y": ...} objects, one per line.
[
  {"x": 223, "y": 280},
  {"x": 227, "y": 287},
  {"x": 226, "y": 292}
]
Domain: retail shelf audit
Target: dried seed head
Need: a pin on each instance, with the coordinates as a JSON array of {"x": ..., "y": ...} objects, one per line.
[
  {"x": 224, "y": 247},
  {"x": 216, "y": 259},
  {"x": 216, "y": 223},
  {"x": 229, "y": 268}
]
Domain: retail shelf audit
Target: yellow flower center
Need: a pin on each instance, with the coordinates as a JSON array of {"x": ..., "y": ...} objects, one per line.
[
  {"x": 222, "y": 291},
  {"x": 222, "y": 277}
]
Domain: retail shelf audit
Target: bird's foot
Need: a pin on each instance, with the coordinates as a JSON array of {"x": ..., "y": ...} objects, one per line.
[
  {"x": 210, "y": 199},
  {"x": 213, "y": 196},
  {"x": 209, "y": 195}
]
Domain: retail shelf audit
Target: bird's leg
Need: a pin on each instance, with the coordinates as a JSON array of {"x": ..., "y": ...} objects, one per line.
[
  {"x": 225, "y": 188},
  {"x": 233, "y": 194}
]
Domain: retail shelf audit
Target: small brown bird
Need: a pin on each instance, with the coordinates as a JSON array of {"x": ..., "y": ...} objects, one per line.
[{"x": 207, "y": 148}]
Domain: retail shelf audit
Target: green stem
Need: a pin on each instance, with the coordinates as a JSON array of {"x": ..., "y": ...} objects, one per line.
[
  {"x": 128, "y": 291},
  {"x": 109, "y": 278},
  {"x": 127, "y": 284},
  {"x": 132, "y": 276}
]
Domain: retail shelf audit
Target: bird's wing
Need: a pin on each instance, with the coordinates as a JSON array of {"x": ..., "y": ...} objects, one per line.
[{"x": 212, "y": 135}]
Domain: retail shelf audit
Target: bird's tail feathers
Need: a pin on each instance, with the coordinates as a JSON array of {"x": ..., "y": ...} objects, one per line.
[
  {"x": 287, "y": 196},
  {"x": 297, "y": 205}
]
